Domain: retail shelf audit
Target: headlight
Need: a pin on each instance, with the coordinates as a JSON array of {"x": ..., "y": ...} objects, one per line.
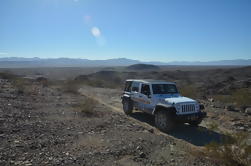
[
  {"x": 162, "y": 101},
  {"x": 178, "y": 106},
  {"x": 197, "y": 107}
]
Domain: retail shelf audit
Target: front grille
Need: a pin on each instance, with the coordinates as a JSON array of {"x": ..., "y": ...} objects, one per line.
[{"x": 188, "y": 108}]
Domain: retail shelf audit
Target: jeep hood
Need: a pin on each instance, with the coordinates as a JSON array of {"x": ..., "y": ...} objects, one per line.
[{"x": 179, "y": 99}]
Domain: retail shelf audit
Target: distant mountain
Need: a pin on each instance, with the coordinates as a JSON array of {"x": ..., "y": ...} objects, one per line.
[
  {"x": 17, "y": 62},
  {"x": 143, "y": 67},
  {"x": 237, "y": 62},
  {"x": 62, "y": 62}
]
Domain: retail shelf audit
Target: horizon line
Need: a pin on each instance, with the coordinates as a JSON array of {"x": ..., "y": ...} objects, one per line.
[{"x": 119, "y": 58}]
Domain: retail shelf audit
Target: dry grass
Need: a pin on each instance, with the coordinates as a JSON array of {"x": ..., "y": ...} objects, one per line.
[
  {"x": 43, "y": 81},
  {"x": 87, "y": 107},
  {"x": 240, "y": 97},
  {"x": 103, "y": 83},
  {"x": 70, "y": 86},
  {"x": 233, "y": 151},
  {"x": 21, "y": 85},
  {"x": 189, "y": 91},
  {"x": 8, "y": 76},
  {"x": 213, "y": 126}
]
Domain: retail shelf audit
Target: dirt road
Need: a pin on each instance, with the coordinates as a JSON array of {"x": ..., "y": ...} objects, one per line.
[{"x": 111, "y": 98}]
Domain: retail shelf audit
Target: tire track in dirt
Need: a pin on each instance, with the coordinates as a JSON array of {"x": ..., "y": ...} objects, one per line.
[{"x": 106, "y": 97}]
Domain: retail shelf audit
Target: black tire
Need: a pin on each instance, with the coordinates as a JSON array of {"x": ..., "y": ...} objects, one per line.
[
  {"x": 164, "y": 121},
  {"x": 195, "y": 123},
  {"x": 128, "y": 106}
]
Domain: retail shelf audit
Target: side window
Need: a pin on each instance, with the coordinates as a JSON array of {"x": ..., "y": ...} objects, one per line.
[
  {"x": 128, "y": 85},
  {"x": 145, "y": 89},
  {"x": 135, "y": 86}
]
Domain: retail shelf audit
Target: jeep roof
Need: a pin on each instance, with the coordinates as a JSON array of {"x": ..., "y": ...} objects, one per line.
[{"x": 151, "y": 81}]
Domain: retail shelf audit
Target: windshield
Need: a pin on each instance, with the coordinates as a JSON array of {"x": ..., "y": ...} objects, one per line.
[{"x": 164, "y": 88}]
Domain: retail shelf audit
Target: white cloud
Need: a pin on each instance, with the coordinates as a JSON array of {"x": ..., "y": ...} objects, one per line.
[{"x": 95, "y": 31}]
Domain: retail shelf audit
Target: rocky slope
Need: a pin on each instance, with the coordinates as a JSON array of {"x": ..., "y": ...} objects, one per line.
[{"x": 42, "y": 126}]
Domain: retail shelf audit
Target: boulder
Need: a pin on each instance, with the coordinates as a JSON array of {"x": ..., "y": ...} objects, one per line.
[
  {"x": 248, "y": 110},
  {"x": 230, "y": 108}
]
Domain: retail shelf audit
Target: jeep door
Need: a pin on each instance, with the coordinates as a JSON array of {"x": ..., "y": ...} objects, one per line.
[
  {"x": 135, "y": 95},
  {"x": 146, "y": 98}
]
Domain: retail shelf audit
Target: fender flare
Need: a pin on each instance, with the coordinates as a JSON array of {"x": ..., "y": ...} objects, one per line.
[
  {"x": 125, "y": 97},
  {"x": 164, "y": 107}
]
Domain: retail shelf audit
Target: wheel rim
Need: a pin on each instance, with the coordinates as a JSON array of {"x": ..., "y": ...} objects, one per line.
[{"x": 161, "y": 120}]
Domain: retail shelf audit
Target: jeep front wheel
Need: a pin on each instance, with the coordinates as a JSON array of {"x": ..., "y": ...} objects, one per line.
[
  {"x": 164, "y": 121},
  {"x": 128, "y": 106}
]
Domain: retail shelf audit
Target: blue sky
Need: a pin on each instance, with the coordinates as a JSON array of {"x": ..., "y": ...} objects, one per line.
[{"x": 149, "y": 30}]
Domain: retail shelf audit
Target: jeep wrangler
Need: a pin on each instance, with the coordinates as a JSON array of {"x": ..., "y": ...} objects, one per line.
[{"x": 161, "y": 99}]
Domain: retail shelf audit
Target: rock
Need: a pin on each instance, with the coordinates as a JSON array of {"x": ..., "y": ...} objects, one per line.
[
  {"x": 172, "y": 160},
  {"x": 238, "y": 124},
  {"x": 151, "y": 130},
  {"x": 241, "y": 128},
  {"x": 230, "y": 108},
  {"x": 248, "y": 110},
  {"x": 139, "y": 148},
  {"x": 142, "y": 155},
  {"x": 211, "y": 99}
]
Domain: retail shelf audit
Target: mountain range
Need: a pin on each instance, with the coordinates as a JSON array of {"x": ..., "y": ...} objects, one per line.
[{"x": 19, "y": 62}]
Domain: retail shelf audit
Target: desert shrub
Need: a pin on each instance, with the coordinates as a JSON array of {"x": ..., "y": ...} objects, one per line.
[
  {"x": 70, "y": 86},
  {"x": 213, "y": 126},
  {"x": 21, "y": 85},
  {"x": 240, "y": 97},
  {"x": 233, "y": 151},
  {"x": 8, "y": 76},
  {"x": 87, "y": 107},
  {"x": 95, "y": 83},
  {"x": 189, "y": 91},
  {"x": 223, "y": 98},
  {"x": 113, "y": 83},
  {"x": 104, "y": 79},
  {"x": 43, "y": 81}
]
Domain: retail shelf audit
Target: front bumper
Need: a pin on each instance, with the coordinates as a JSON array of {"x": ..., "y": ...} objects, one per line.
[{"x": 191, "y": 117}]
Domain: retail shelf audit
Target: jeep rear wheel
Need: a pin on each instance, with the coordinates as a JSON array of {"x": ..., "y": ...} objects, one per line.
[
  {"x": 128, "y": 106},
  {"x": 164, "y": 121}
]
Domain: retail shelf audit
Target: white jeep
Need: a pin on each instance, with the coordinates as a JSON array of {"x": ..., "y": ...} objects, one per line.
[{"x": 161, "y": 99}]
